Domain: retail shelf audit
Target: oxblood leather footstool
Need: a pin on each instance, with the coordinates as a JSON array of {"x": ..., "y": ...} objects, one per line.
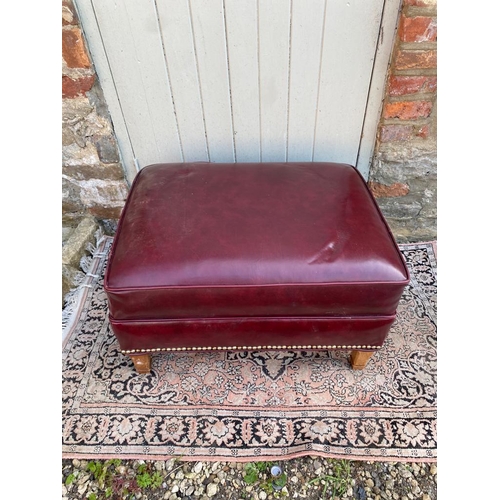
[{"x": 252, "y": 256}]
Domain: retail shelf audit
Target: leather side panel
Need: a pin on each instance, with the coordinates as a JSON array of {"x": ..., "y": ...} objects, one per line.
[{"x": 252, "y": 333}]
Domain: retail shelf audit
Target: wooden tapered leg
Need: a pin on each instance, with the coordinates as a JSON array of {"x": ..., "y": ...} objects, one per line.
[
  {"x": 360, "y": 358},
  {"x": 142, "y": 362}
]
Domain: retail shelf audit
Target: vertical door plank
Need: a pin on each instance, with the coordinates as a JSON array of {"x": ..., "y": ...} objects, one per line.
[
  {"x": 177, "y": 36},
  {"x": 210, "y": 42},
  {"x": 131, "y": 36},
  {"x": 242, "y": 41},
  {"x": 305, "y": 57},
  {"x": 351, "y": 32},
  {"x": 274, "y": 36}
]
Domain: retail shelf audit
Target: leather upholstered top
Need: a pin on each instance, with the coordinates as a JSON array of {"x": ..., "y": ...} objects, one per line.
[{"x": 219, "y": 239}]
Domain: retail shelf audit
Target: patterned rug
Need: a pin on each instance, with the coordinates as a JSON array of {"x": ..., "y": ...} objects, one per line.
[{"x": 246, "y": 406}]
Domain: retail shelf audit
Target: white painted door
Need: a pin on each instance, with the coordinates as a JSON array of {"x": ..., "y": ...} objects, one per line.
[{"x": 242, "y": 80}]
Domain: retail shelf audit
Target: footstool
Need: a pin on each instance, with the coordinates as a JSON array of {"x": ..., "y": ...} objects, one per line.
[{"x": 252, "y": 256}]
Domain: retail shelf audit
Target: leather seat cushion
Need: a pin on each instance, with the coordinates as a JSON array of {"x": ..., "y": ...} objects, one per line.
[{"x": 219, "y": 240}]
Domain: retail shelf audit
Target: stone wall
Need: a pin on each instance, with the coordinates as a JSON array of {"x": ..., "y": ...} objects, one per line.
[
  {"x": 404, "y": 168},
  {"x": 93, "y": 178}
]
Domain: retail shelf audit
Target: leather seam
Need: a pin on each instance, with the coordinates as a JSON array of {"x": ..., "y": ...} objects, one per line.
[
  {"x": 266, "y": 285},
  {"x": 242, "y": 319}
]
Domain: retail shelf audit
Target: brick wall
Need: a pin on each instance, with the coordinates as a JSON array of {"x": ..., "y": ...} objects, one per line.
[
  {"x": 93, "y": 178},
  {"x": 404, "y": 168}
]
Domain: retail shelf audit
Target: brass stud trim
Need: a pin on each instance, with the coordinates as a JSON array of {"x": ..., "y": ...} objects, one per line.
[{"x": 249, "y": 348}]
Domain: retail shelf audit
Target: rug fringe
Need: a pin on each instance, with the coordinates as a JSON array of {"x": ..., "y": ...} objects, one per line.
[
  {"x": 73, "y": 298},
  {"x": 86, "y": 260}
]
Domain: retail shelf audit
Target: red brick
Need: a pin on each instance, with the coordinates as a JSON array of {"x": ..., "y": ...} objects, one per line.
[
  {"x": 418, "y": 29},
  {"x": 395, "y": 133},
  {"x": 423, "y": 132},
  {"x": 416, "y": 59},
  {"x": 388, "y": 191},
  {"x": 74, "y": 88},
  {"x": 404, "y": 85},
  {"x": 408, "y": 110},
  {"x": 73, "y": 49}
]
